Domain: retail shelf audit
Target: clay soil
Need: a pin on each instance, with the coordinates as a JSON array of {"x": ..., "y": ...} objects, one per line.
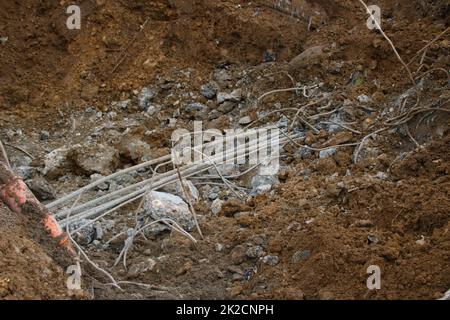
[{"x": 340, "y": 223}]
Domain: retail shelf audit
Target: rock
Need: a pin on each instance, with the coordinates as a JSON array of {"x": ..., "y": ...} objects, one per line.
[
  {"x": 371, "y": 239},
  {"x": 307, "y": 57},
  {"x": 121, "y": 104},
  {"x": 219, "y": 247},
  {"x": 222, "y": 76},
  {"x": 84, "y": 236},
  {"x": 41, "y": 189},
  {"x": 176, "y": 189},
  {"x": 363, "y": 224},
  {"x": 300, "y": 255},
  {"x": 254, "y": 252},
  {"x": 187, "y": 266},
  {"x": 161, "y": 205},
  {"x": 138, "y": 269},
  {"x": 227, "y": 107},
  {"x": 214, "y": 114},
  {"x": 245, "y": 121},
  {"x": 269, "y": 56},
  {"x": 209, "y": 90},
  {"x": 95, "y": 159},
  {"x": 145, "y": 98},
  {"x": 45, "y": 135},
  {"x": 270, "y": 260},
  {"x": 216, "y": 206},
  {"x": 238, "y": 254},
  {"x": 195, "y": 107},
  {"x": 212, "y": 196},
  {"x": 234, "y": 96},
  {"x": 56, "y": 162},
  {"x": 381, "y": 175},
  {"x": 327, "y": 153},
  {"x": 133, "y": 148},
  {"x": 363, "y": 98},
  {"x": 98, "y": 230},
  {"x": 262, "y": 183},
  {"x": 333, "y": 190}
]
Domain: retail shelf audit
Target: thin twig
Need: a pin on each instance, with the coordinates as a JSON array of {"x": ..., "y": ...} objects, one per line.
[
  {"x": 4, "y": 154},
  {"x": 390, "y": 42}
]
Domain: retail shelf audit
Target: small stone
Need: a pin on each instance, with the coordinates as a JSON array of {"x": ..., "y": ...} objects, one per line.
[
  {"x": 195, "y": 107},
  {"x": 133, "y": 148},
  {"x": 145, "y": 98},
  {"x": 214, "y": 114},
  {"x": 254, "y": 252},
  {"x": 227, "y": 107},
  {"x": 219, "y": 247},
  {"x": 381, "y": 175},
  {"x": 209, "y": 90},
  {"x": 41, "y": 189},
  {"x": 234, "y": 96},
  {"x": 222, "y": 76},
  {"x": 270, "y": 260},
  {"x": 327, "y": 153},
  {"x": 56, "y": 163},
  {"x": 371, "y": 239},
  {"x": 216, "y": 206},
  {"x": 98, "y": 230},
  {"x": 269, "y": 56},
  {"x": 300, "y": 255},
  {"x": 245, "y": 120},
  {"x": 45, "y": 135},
  {"x": 85, "y": 235},
  {"x": 238, "y": 254},
  {"x": 212, "y": 196},
  {"x": 89, "y": 110},
  {"x": 142, "y": 267},
  {"x": 363, "y": 98},
  {"x": 262, "y": 183}
]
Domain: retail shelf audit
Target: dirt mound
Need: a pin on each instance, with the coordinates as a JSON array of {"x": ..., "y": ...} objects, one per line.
[{"x": 27, "y": 268}]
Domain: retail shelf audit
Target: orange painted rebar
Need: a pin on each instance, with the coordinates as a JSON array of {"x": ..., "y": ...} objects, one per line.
[{"x": 16, "y": 195}]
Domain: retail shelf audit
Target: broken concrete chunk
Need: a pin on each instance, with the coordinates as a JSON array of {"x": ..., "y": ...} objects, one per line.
[
  {"x": 133, "y": 148},
  {"x": 56, "y": 163},
  {"x": 161, "y": 205},
  {"x": 41, "y": 189},
  {"x": 176, "y": 189},
  {"x": 307, "y": 57},
  {"x": 234, "y": 96},
  {"x": 95, "y": 159},
  {"x": 216, "y": 206},
  {"x": 262, "y": 183},
  {"x": 145, "y": 98},
  {"x": 209, "y": 90}
]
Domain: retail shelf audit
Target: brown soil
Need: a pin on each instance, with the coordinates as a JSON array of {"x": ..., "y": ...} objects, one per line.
[
  {"x": 27, "y": 271},
  {"x": 340, "y": 215}
]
